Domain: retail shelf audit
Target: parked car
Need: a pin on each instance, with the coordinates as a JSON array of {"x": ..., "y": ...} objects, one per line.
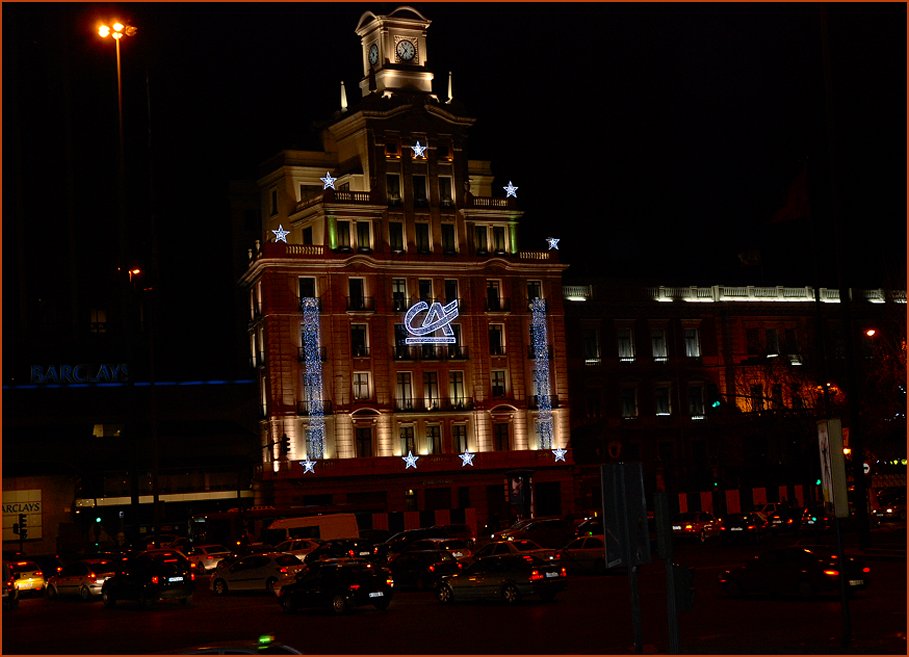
[
  {"x": 784, "y": 520},
  {"x": 299, "y": 546},
  {"x": 589, "y": 527},
  {"x": 422, "y": 569},
  {"x": 509, "y": 577},
  {"x": 399, "y": 542},
  {"x": 742, "y": 527},
  {"x": 890, "y": 505},
  {"x": 699, "y": 525},
  {"x": 338, "y": 585},
  {"x": 339, "y": 548},
  {"x": 587, "y": 554},
  {"x": 10, "y": 593},
  {"x": 548, "y": 532},
  {"x": 150, "y": 577},
  {"x": 83, "y": 578},
  {"x": 207, "y": 557},
  {"x": 519, "y": 546},
  {"x": 794, "y": 571},
  {"x": 254, "y": 572},
  {"x": 28, "y": 577},
  {"x": 460, "y": 548}
]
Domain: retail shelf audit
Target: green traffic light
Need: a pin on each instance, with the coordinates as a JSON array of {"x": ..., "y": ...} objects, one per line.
[
  {"x": 817, "y": 482},
  {"x": 98, "y": 519}
]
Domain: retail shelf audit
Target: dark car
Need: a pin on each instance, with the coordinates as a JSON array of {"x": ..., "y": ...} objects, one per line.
[
  {"x": 548, "y": 532},
  {"x": 698, "y": 525},
  {"x": 149, "y": 577},
  {"x": 400, "y": 541},
  {"x": 338, "y": 585},
  {"x": 340, "y": 548},
  {"x": 509, "y": 578},
  {"x": 423, "y": 569},
  {"x": 742, "y": 527},
  {"x": 794, "y": 571}
]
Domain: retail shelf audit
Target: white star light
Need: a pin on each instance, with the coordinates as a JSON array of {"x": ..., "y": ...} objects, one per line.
[
  {"x": 410, "y": 460},
  {"x": 466, "y": 458},
  {"x": 553, "y": 243},
  {"x": 559, "y": 453},
  {"x": 281, "y": 234},
  {"x": 328, "y": 181},
  {"x": 308, "y": 466},
  {"x": 510, "y": 190},
  {"x": 418, "y": 150}
]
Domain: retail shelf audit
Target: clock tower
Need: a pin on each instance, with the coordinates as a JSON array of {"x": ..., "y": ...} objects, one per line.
[{"x": 394, "y": 52}]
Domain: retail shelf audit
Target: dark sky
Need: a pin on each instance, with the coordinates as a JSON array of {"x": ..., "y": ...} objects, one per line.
[{"x": 672, "y": 130}]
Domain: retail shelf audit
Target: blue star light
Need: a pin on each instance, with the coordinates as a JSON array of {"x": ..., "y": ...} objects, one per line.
[
  {"x": 418, "y": 150},
  {"x": 281, "y": 234},
  {"x": 466, "y": 458},
  {"x": 328, "y": 181},
  {"x": 410, "y": 460},
  {"x": 308, "y": 466},
  {"x": 510, "y": 190},
  {"x": 553, "y": 243},
  {"x": 559, "y": 453}
]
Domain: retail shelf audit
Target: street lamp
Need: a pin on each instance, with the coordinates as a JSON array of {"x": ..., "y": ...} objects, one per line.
[{"x": 117, "y": 31}]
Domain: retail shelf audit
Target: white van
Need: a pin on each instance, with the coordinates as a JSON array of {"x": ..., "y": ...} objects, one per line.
[{"x": 325, "y": 527}]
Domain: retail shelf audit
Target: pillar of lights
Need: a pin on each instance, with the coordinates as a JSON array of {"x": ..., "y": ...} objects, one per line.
[
  {"x": 541, "y": 373},
  {"x": 312, "y": 379}
]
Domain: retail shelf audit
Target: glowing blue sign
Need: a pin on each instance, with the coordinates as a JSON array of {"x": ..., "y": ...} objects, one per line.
[{"x": 438, "y": 318}]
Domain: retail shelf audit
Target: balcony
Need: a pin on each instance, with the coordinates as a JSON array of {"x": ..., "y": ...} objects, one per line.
[
  {"x": 429, "y": 352},
  {"x": 367, "y": 304},
  {"x": 422, "y": 405},
  {"x": 304, "y": 407},
  {"x": 498, "y": 305},
  {"x": 359, "y": 351}
]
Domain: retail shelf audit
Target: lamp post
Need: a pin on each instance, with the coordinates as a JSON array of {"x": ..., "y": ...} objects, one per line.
[{"x": 117, "y": 31}]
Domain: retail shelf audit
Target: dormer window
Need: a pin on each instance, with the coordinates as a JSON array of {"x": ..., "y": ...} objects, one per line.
[{"x": 393, "y": 150}]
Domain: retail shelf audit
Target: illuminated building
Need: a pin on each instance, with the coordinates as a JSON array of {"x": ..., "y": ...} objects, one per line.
[{"x": 409, "y": 347}]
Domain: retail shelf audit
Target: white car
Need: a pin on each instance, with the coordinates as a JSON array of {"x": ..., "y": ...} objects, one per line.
[
  {"x": 207, "y": 557},
  {"x": 255, "y": 572},
  {"x": 299, "y": 546},
  {"x": 83, "y": 578}
]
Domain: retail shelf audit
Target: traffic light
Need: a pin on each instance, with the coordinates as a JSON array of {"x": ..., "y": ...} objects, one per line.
[
  {"x": 23, "y": 526},
  {"x": 285, "y": 444}
]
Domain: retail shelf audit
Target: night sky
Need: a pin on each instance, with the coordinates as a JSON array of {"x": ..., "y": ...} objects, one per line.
[{"x": 674, "y": 131}]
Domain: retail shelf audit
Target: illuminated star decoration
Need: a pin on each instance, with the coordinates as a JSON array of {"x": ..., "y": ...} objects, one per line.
[
  {"x": 308, "y": 466},
  {"x": 553, "y": 243},
  {"x": 328, "y": 181},
  {"x": 466, "y": 458},
  {"x": 410, "y": 460},
  {"x": 559, "y": 454},
  {"x": 281, "y": 234},
  {"x": 510, "y": 190},
  {"x": 418, "y": 150}
]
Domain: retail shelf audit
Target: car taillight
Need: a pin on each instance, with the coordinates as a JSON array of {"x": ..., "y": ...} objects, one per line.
[
  {"x": 460, "y": 565},
  {"x": 750, "y": 527},
  {"x": 350, "y": 553},
  {"x": 563, "y": 572},
  {"x": 155, "y": 579},
  {"x": 535, "y": 575},
  {"x": 283, "y": 570},
  {"x": 389, "y": 581},
  {"x": 192, "y": 577},
  {"x": 354, "y": 587},
  {"x": 432, "y": 568},
  {"x": 866, "y": 569},
  {"x": 832, "y": 573},
  {"x": 38, "y": 573}
]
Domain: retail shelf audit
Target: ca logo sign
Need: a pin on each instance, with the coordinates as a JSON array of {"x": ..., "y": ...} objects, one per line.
[{"x": 437, "y": 318}]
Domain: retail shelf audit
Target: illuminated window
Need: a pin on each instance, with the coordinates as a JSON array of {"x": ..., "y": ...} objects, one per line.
[
  {"x": 629, "y": 401},
  {"x": 396, "y": 235},
  {"x": 343, "y": 233},
  {"x": 361, "y": 385},
  {"x": 107, "y": 430},
  {"x": 498, "y": 383},
  {"x": 692, "y": 343},
  {"x": 696, "y": 401},
  {"x": 662, "y": 399},
  {"x": 625, "y": 343},
  {"x": 364, "y": 442},
  {"x": 434, "y": 438},
  {"x": 408, "y": 444},
  {"x": 364, "y": 235},
  {"x": 422, "y": 235},
  {"x": 97, "y": 321},
  {"x": 431, "y": 390},
  {"x": 404, "y": 391},
  {"x": 658, "y": 344},
  {"x": 456, "y": 388},
  {"x": 448, "y": 239},
  {"x": 498, "y": 239},
  {"x": 399, "y": 293},
  {"x": 459, "y": 437}
]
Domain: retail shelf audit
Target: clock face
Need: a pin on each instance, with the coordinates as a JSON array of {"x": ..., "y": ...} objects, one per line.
[
  {"x": 373, "y": 54},
  {"x": 405, "y": 50}
]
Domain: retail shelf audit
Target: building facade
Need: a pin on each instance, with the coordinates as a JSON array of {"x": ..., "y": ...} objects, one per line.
[{"x": 410, "y": 352}]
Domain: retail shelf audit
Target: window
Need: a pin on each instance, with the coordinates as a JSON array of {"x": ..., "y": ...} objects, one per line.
[
  {"x": 459, "y": 437},
  {"x": 776, "y": 396},
  {"x": 629, "y": 401},
  {"x": 448, "y": 238},
  {"x": 493, "y": 301},
  {"x": 404, "y": 391},
  {"x": 399, "y": 293},
  {"x": 479, "y": 239},
  {"x": 498, "y": 239},
  {"x": 431, "y": 390},
  {"x": 692, "y": 342},
  {"x": 343, "y": 233},
  {"x": 591, "y": 340},
  {"x": 392, "y": 149},
  {"x": 422, "y": 234},
  {"x": 357, "y": 294},
  {"x": 757, "y": 397},
  {"x": 307, "y": 287},
  {"x": 361, "y": 385},
  {"x": 434, "y": 438},
  {"x": 364, "y": 441},
  {"x": 393, "y": 188},
  {"x": 445, "y": 191},
  {"x": 451, "y": 289},
  {"x": 497, "y": 339},
  {"x": 408, "y": 444},
  {"x": 696, "y": 401},
  {"x": 443, "y": 152},
  {"x": 661, "y": 399},
  {"x": 534, "y": 290},
  {"x": 498, "y": 383},
  {"x": 500, "y": 436},
  {"x": 424, "y": 289},
  {"x": 358, "y": 343},
  {"x": 419, "y": 191},
  {"x": 97, "y": 320},
  {"x": 658, "y": 344},
  {"x": 456, "y": 388},
  {"x": 364, "y": 235},
  {"x": 396, "y": 235},
  {"x": 773, "y": 342},
  {"x": 625, "y": 341}
]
